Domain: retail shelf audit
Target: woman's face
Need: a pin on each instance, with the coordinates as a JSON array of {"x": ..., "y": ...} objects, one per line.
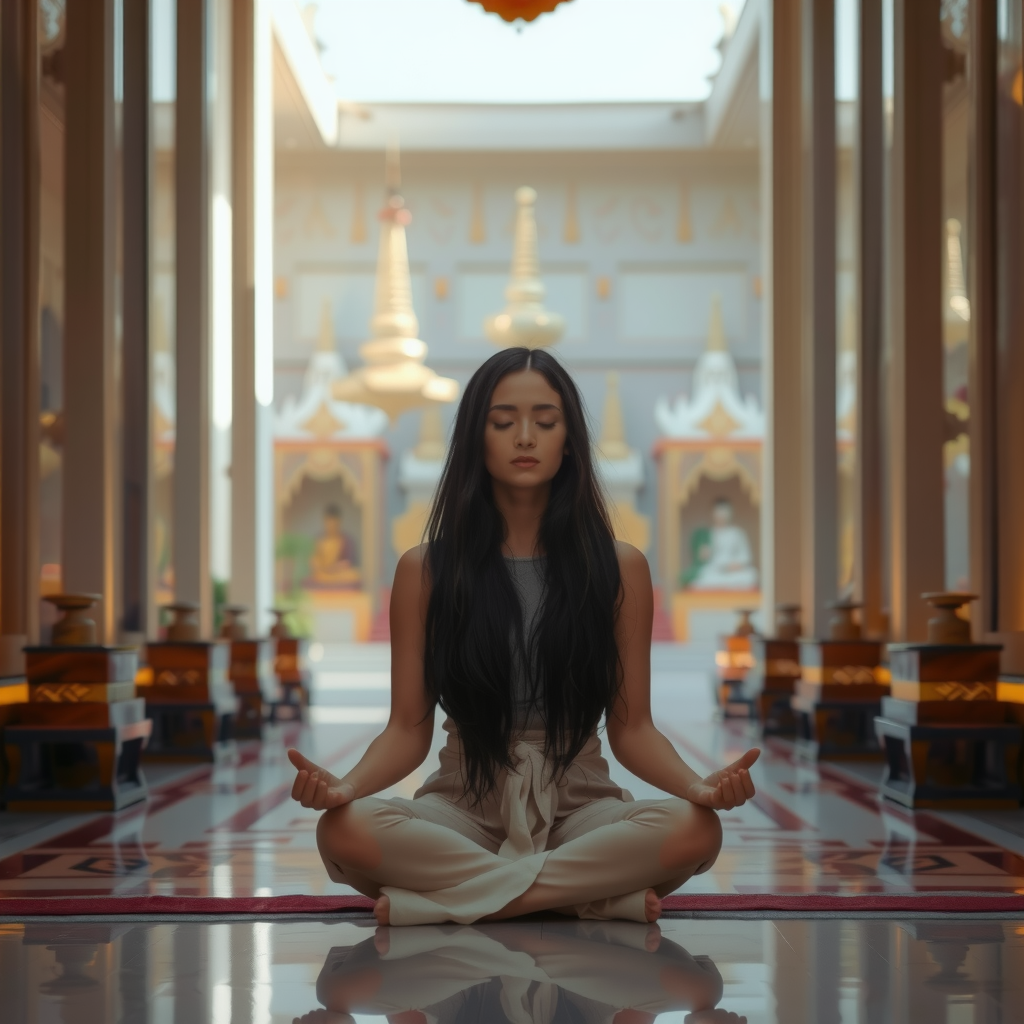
[{"x": 525, "y": 436}]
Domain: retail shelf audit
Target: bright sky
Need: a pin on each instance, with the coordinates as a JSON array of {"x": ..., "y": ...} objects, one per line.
[{"x": 452, "y": 51}]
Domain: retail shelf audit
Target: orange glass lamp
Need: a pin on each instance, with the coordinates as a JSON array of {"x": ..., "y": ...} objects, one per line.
[
  {"x": 772, "y": 679},
  {"x": 519, "y": 10},
  {"x": 733, "y": 661}
]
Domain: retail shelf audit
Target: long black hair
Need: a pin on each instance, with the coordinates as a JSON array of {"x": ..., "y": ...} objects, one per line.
[{"x": 474, "y": 628}]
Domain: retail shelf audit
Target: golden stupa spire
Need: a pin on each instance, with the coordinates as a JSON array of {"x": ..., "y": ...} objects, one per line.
[
  {"x": 395, "y": 378},
  {"x": 524, "y": 320},
  {"x": 612, "y": 442},
  {"x": 716, "y": 328}
]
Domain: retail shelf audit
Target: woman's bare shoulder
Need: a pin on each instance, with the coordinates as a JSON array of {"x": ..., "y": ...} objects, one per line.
[
  {"x": 411, "y": 572},
  {"x": 412, "y": 583},
  {"x": 632, "y": 560},
  {"x": 414, "y": 558}
]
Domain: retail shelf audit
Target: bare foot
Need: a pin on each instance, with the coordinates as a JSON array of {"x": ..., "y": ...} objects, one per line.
[
  {"x": 382, "y": 911},
  {"x": 652, "y": 940},
  {"x": 652, "y": 906},
  {"x": 382, "y": 941}
]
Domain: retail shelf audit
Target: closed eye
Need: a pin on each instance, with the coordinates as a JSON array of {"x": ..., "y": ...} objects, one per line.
[
  {"x": 546, "y": 426},
  {"x": 502, "y": 426}
]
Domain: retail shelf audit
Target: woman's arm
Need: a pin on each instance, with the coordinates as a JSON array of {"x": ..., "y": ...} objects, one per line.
[
  {"x": 635, "y": 741},
  {"x": 405, "y": 741}
]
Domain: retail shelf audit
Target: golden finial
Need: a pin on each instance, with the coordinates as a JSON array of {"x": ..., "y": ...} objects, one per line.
[
  {"x": 431, "y": 446},
  {"x": 612, "y": 442},
  {"x": 716, "y": 328},
  {"x": 325, "y": 340}
]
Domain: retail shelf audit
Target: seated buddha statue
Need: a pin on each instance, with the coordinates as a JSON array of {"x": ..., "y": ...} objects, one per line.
[
  {"x": 725, "y": 561},
  {"x": 333, "y": 561}
]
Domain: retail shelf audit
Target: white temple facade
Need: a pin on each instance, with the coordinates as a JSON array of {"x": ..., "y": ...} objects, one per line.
[{"x": 316, "y": 412}]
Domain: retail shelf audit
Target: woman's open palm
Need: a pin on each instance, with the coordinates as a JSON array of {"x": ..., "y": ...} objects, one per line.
[
  {"x": 727, "y": 788},
  {"x": 316, "y": 787}
]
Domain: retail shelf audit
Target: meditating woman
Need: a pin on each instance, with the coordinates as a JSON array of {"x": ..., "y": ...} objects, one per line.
[{"x": 527, "y": 623}]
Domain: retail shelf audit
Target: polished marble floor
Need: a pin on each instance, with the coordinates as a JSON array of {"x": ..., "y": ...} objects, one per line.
[
  {"x": 678, "y": 972},
  {"x": 231, "y": 830}
]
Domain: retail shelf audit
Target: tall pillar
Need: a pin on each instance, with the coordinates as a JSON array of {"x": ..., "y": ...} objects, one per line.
[
  {"x": 982, "y": 281},
  {"x": 252, "y": 538},
  {"x": 135, "y": 372},
  {"x": 91, "y": 486},
  {"x": 781, "y": 174},
  {"x": 192, "y": 311},
  {"x": 997, "y": 321},
  {"x": 868, "y": 557},
  {"x": 19, "y": 332},
  {"x": 819, "y": 520},
  {"x": 916, "y": 424},
  {"x": 221, "y": 295}
]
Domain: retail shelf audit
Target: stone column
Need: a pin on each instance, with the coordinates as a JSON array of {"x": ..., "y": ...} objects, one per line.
[
  {"x": 819, "y": 525},
  {"x": 997, "y": 318},
  {"x": 252, "y": 496},
  {"x": 91, "y": 489},
  {"x": 135, "y": 373},
  {"x": 192, "y": 311},
  {"x": 914, "y": 272},
  {"x": 982, "y": 282},
  {"x": 868, "y": 564},
  {"x": 781, "y": 552},
  {"x": 19, "y": 332}
]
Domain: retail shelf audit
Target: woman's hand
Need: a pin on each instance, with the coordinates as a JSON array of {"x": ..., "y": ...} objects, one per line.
[
  {"x": 316, "y": 787},
  {"x": 728, "y": 787}
]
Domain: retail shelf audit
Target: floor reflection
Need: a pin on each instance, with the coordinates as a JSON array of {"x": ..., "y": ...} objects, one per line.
[
  {"x": 346, "y": 971},
  {"x": 547, "y": 973}
]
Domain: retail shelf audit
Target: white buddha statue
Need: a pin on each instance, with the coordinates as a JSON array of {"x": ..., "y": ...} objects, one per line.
[{"x": 725, "y": 562}]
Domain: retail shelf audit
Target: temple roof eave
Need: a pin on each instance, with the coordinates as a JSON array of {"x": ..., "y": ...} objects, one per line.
[
  {"x": 354, "y": 421},
  {"x": 687, "y": 419}
]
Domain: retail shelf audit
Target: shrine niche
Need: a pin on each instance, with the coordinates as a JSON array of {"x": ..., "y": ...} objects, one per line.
[
  {"x": 709, "y": 490},
  {"x": 328, "y": 475}
]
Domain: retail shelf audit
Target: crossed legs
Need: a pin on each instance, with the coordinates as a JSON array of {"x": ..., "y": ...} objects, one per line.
[{"x": 617, "y": 849}]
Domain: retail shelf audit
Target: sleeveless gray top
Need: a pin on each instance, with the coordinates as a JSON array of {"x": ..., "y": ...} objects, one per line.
[{"x": 528, "y": 577}]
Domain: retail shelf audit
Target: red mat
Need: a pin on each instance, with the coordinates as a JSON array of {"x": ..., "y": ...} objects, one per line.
[{"x": 889, "y": 904}]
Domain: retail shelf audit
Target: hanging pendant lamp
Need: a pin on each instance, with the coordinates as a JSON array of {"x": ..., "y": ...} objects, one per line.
[{"x": 519, "y": 10}]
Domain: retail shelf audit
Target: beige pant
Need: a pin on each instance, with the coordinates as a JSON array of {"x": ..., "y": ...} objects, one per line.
[{"x": 587, "y": 844}]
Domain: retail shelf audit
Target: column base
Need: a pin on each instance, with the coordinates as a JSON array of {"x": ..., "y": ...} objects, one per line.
[
  {"x": 951, "y": 765},
  {"x": 12, "y": 656}
]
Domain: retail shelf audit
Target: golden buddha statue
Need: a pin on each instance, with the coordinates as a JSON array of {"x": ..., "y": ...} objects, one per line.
[{"x": 333, "y": 561}]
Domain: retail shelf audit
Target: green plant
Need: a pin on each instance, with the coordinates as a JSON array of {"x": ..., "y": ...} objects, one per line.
[
  {"x": 294, "y": 551},
  {"x": 220, "y": 599}
]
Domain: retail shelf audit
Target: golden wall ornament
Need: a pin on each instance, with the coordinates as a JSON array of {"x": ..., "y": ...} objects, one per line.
[{"x": 519, "y": 10}]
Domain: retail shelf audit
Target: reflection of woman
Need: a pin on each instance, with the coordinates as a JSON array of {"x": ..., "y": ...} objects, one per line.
[
  {"x": 591, "y": 973},
  {"x": 526, "y": 622}
]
